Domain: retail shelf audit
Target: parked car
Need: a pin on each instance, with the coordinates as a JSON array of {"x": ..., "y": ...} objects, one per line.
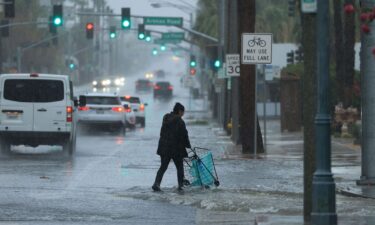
[
  {"x": 163, "y": 89},
  {"x": 103, "y": 110},
  {"x": 129, "y": 114},
  {"x": 37, "y": 109},
  {"x": 137, "y": 107},
  {"x": 143, "y": 85}
]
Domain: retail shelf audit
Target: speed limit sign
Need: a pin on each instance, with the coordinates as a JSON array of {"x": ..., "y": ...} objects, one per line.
[{"x": 233, "y": 65}]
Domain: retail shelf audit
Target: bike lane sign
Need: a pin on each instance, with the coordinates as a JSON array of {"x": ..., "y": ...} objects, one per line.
[{"x": 256, "y": 48}]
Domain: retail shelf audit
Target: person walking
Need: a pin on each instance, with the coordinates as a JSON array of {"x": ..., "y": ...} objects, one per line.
[{"x": 174, "y": 140}]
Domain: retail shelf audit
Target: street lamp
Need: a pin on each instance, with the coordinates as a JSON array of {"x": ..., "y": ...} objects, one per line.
[{"x": 324, "y": 193}]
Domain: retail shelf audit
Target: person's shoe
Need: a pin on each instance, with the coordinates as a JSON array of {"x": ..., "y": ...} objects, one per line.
[
  {"x": 156, "y": 188},
  {"x": 180, "y": 189}
]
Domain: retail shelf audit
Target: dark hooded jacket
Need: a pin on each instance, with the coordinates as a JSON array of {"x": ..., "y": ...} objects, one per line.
[{"x": 174, "y": 138}]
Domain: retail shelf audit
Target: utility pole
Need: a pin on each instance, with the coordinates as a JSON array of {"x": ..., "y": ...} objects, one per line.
[
  {"x": 368, "y": 103},
  {"x": 309, "y": 107},
  {"x": 235, "y": 86},
  {"x": 248, "y": 124},
  {"x": 324, "y": 192}
]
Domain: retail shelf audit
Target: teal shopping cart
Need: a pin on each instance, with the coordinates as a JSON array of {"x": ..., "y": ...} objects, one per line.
[{"x": 200, "y": 168}]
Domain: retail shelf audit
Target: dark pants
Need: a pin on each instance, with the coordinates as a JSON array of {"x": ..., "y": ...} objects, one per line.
[{"x": 178, "y": 162}]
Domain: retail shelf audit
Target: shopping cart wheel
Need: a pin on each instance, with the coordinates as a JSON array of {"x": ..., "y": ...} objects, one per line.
[{"x": 217, "y": 183}]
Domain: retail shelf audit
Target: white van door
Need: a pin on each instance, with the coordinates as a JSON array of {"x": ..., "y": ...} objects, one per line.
[
  {"x": 16, "y": 108},
  {"x": 50, "y": 109}
]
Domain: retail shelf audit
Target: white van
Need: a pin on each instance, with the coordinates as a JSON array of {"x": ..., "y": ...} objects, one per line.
[{"x": 36, "y": 109}]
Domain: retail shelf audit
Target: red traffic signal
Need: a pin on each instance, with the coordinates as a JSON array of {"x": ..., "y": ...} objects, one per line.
[
  {"x": 89, "y": 30},
  {"x": 193, "y": 71},
  {"x": 89, "y": 26}
]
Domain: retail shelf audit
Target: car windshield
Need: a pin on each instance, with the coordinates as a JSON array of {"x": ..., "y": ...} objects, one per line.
[
  {"x": 131, "y": 99},
  {"x": 25, "y": 90},
  {"x": 102, "y": 100},
  {"x": 163, "y": 84}
]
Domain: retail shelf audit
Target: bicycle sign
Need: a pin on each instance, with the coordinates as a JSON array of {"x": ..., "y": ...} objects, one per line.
[{"x": 256, "y": 48}]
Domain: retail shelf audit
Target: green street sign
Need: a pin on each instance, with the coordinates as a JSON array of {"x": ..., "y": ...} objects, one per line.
[
  {"x": 166, "y": 41},
  {"x": 173, "y": 36},
  {"x": 165, "y": 21}
]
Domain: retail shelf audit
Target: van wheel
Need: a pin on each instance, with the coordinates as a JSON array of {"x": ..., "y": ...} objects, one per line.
[{"x": 4, "y": 146}]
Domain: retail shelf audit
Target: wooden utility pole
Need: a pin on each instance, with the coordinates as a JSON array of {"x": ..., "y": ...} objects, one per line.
[
  {"x": 246, "y": 23},
  {"x": 309, "y": 108}
]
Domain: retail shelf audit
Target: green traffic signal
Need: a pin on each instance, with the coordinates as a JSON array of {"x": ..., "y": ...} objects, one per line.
[
  {"x": 112, "y": 32},
  {"x": 193, "y": 63},
  {"x": 154, "y": 52},
  {"x": 163, "y": 48},
  {"x": 57, "y": 21},
  {"x": 112, "y": 35},
  {"x": 72, "y": 66},
  {"x": 141, "y": 36},
  {"x": 148, "y": 36},
  {"x": 126, "y": 24},
  {"x": 217, "y": 63}
]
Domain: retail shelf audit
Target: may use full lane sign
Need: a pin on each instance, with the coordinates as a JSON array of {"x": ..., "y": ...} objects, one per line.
[{"x": 256, "y": 48}]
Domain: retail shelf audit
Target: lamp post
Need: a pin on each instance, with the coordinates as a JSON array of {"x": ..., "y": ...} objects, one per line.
[{"x": 324, "y": 199}]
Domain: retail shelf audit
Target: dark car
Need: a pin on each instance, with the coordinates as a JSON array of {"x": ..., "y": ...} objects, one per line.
[
  {"x": 163, "y": 89},
  {"x": 143, "y": 85}
]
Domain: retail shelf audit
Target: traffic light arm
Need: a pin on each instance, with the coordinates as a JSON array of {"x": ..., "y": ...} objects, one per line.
[{"x": 23, "y": 23}]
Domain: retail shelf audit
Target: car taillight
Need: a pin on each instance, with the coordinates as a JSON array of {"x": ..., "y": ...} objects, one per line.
[
  {"x": 83, "y": 108},
  {"x": 170, "y": 88},
  {"x": 118, "y": 109},
  {"x": 128, "y": 110},
  {"x": 157, "y": 87},
  {"x": 142, "y": 107},
  {"x": 69, "y": 114}
]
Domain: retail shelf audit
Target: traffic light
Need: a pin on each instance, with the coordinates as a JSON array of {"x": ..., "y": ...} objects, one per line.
[
  {"x": 193, "y": 71},
  {"x": 193, "y": 61},
  {"x": 154, "y": 51},
  {"x": 112, "y": 32},
  {"x": 9, "y": 9},
  {"x": 163, "y": 47},
  {"x": 299, "y": 55},
  {"x": 89, "y": 30},
  {"x": 217, "y": 63},
  {"x": 70, "y": 64},
  {"x": 148, "y": 36},
  {"x": 290, "y": 57},
  {"x": 125, "y": 18},
  {"x": 57, "y": 17},
  {"x": 141, "y": 31},
  {"x": 291, "y": 8}
]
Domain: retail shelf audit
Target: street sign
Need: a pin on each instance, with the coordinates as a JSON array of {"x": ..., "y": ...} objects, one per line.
[
  {"x": 173, "y": 36},
  {"x": 309, "y": 6},
  {"x": 165, "y": 21},
  {"x": 233, "y": 65},
  {"x": 166, "y": 41},
  {"x": 256, "y": 48}
]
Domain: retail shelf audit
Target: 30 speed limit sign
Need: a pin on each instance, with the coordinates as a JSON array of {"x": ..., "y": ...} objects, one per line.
[{"x": 233, "y": 65}]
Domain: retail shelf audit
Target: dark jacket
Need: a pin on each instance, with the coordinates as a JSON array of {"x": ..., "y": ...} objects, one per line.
[{"x": 174, "y": 138}]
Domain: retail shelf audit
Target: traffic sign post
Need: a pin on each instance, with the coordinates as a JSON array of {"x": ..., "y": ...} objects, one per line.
[
  {"x": 233, "y": 65},
  {"x": 256, "y": 48},
  {"x": 164, "y": 21}
]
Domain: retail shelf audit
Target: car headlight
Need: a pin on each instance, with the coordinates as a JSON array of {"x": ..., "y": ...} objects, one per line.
[{"x": 94, "y": 83}]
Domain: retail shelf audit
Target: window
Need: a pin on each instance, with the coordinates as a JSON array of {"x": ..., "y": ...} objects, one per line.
[
  {"x": 99, "y": 100},
  {"x": 24, "y": 90}
]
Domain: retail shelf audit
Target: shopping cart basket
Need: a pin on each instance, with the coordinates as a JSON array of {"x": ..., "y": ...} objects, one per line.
[{"x": 200, "y": 168}]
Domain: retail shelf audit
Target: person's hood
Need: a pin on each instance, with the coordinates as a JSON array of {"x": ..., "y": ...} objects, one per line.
[{"x": 170, "y": 118}]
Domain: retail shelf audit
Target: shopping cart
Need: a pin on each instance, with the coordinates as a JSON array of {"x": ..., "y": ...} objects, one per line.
[{"x": 200, "y": 168}]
